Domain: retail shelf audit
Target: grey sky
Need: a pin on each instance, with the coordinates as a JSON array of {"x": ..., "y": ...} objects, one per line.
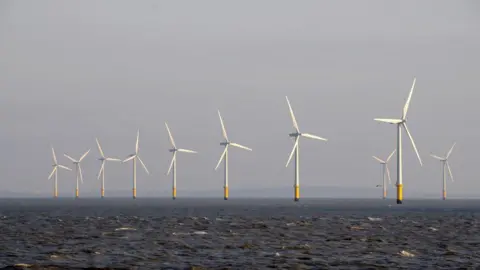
[{"x": 71, "y": 71}]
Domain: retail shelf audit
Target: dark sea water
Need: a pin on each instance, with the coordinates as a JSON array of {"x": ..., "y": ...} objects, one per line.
[{"x": 239, "y": 234}]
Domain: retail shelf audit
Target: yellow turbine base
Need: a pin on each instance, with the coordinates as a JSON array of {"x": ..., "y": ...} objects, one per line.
[
  {"x": 444, "y": 194},
  {"x": 102, "y": 192},
  {"x": 225, "y": 193},
  {"x": 399, "y": 194},
  {"x": 174, "y": 193},
  {"x": 76, "y": 193},
  {"x": 384, "y": 194},
  {"x": 297, "y": 193},
  {"x": 134, "y": 193},
  {"x": 55, "y": 194}
]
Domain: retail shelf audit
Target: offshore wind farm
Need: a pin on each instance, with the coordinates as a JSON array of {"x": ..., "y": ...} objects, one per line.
[
  {"x": 334, "y": 90},
  {"x": 400, "y": 124},
  {"x": 208, "y": 125}
]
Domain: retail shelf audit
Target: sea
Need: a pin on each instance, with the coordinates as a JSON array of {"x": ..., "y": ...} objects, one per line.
[{"x": 121, "y": 233}]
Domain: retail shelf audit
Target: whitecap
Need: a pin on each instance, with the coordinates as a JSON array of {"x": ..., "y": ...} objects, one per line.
[
  {"x": 125, "y": 229},
  {"x": 406, "y": 254}
]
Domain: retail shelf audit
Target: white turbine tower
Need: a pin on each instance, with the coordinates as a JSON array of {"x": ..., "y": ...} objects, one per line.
[
  {"x": 297, "y": 134},
  {"x": 78, "y": 169},
  {"x": 445, "y": 165},
  {"x": 103, "y": 159},
  {"x": 173, "y": 163},
  {"x": 224, "y": 155},
  {"x": 402, "y": 123},
  {"x": 386, "y": 171},
  {"x": 134, "y": 157},
  {"x": 55, "y": 171}
]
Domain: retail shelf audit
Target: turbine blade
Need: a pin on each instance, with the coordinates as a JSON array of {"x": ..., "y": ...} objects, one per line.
[
  {"x": 80, "y": 172},
  {"x": 63, "y": 167},
  {"x": 112, "y": 159},
  {"x": 388, "y": 174},
  {"x": 171, "y": 162},
  {"x": 84, "y": 155},
  {"x": 379, "y": 160},
  {"x": 413, "y": 143},
  {"x": 129, "y": 158},
  {"x": 221, "y": 157},
  {"x": 136, "y": 144},
  {"x": 450, "y": 171},
  {"x": 437, "y": 157},
  {"x": 391, "y": 155},
  {"x": 170, "y": 135},
  {"x": 53, "y": 171},
  {"x": 186, "y": 151},
  {"x": 313, "y": 137},
  {"x": 293, "y": 151},
  {"x": 69, "y": 157},
  {"x": 240, "y": 146},
  {"x": 451, "y": 149},
  {"x": 54, "y": 156},
  {"x": 100, "y": 148},
  {"x": 101, "y": 170},
  {"x": 407, "y": 103},
  {"x": 295, "y": 124},
  {"x": 224, "y": 131},
  {"x": 143, "y": 164},
  {"x": 386, "y": 120}
]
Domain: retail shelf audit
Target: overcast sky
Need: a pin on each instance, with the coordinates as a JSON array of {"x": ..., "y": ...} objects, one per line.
[{"x": 71, "y": 71}]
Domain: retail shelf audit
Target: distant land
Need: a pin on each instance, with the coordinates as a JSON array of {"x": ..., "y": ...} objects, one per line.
[{"x": 276, "y": 192}]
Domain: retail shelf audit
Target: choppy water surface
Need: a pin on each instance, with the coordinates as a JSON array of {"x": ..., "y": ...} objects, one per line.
[{"x": 239, "y": 234}]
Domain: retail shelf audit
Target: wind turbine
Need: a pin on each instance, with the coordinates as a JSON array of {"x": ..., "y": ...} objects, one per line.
[
  {"x": 103, "y": 159},
  {"x": 297, "y": 134},
  {"x": 224, "y": 155},
  {"x": 55, "y": 171},
  {"x": 78, "y": 169},
  {"x": 134, "y": 157},
  {"x": 173, "y": 163},
  {"x": 445, "y": 165},
  {"x": 386, "y": 171},
  {"x": 402, "y": 123}
]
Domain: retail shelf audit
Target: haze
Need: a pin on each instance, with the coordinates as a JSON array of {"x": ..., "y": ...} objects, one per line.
[{"x": 71, "y": 71}]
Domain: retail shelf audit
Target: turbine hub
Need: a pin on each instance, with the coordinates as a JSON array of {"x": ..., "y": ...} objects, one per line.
[
  {"x": 225, "y": 143},
  {"x": 294, "y": 134},
  {"x": 173, "y": 150}
]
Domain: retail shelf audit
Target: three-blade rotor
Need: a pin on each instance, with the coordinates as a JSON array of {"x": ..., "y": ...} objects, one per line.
[
  {"x": 56, "y": 165},
  {"x": 385, "y": 163},
  {"x": 103, "y": 159},
  {"x": 298, "y": 134},
  {"x": 77, "y": 163},
  {"x": 135, "y": 155},
  {"x": 403, "y": 120},
  {"x": 227, "y": 142},
  {"x": 174, "y": 149},
  {"x": 445, "y": 160}
]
